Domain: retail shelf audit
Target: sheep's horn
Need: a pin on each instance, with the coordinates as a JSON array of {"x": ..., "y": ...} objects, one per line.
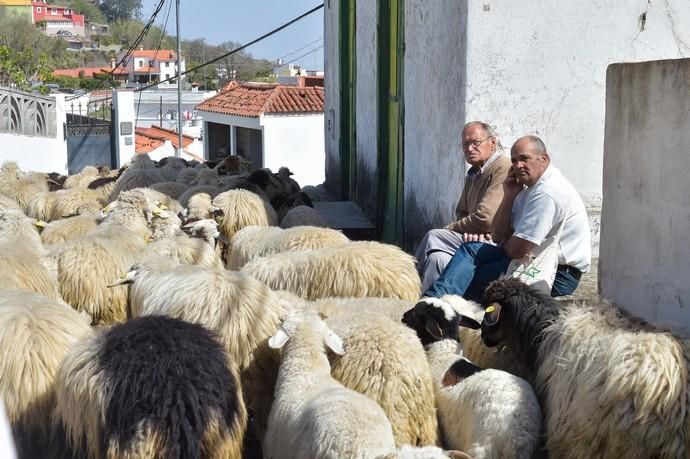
[{"x": 124, "y": 279}]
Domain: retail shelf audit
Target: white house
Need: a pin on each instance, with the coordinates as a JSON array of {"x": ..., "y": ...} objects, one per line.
[
  {"x": 271, "y": 125},
  {"x": 146, "y": 66},
  {"x": 405, "y": 75}
]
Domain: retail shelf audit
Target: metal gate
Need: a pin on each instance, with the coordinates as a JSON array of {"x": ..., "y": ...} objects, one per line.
[{"x": 89, "y": 135}]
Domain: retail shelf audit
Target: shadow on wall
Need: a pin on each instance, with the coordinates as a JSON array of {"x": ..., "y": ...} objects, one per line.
[{"x": 417, "y": 222}]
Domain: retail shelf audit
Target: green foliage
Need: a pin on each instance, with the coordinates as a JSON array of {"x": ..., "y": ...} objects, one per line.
[
  {"x": 120, "y": 10},
  {"x": 91, "y": 12}
]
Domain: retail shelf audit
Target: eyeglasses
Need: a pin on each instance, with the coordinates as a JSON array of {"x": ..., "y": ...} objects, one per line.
[{"x": 474, "y": 143}]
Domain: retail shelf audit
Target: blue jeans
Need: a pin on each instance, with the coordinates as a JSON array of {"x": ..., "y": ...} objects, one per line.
[{"x": 476, "y": 264}]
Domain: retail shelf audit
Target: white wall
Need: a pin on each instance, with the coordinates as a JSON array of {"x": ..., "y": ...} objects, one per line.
[
  {"x": 645, "y": 255},
  {"x": 123, "y": 102},
  {"x": 540, "y": 67},
  {"x": 366, "y": 106},
  {"x": 296, "y": 142},
  {"x": 40, "y": 154},
  {"x": 434, "y": 92}
]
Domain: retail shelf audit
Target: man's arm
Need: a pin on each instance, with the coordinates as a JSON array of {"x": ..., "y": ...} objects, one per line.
[
  {"x": 503, "y": 229},
  {"x": 517, "y": 248},
  {"x": 480, "y": 220}
]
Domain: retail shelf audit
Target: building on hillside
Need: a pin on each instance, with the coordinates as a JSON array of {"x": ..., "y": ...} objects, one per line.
[
  {"x": 59, "y": 21},
  {"x": 271, "y": 125},
  {"x": 146, "y": 67},
  {"x": 82, "y": 72},
  {"x": 18, "y": 8},
  {"x": 302, "y": 81},
  {"x": 406, "y": 75},
  {"x": 159, "y": 107},
  {"x": 159, "y": 143}
]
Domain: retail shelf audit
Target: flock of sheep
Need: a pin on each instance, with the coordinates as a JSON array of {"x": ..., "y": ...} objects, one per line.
[{"x": 197, "y": 310}]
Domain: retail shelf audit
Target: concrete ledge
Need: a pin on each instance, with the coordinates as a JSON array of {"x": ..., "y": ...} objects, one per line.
[{"x": 348, "y": 217}]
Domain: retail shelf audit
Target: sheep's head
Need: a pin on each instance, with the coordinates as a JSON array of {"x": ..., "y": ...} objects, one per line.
[
  {"x": 458, "y": 371},
  {"x": 501, "y": 301},
  {"x": 434, "y": 319},
  {"x": 308, "y": 321},
  {"x": 206, "y": 229}
]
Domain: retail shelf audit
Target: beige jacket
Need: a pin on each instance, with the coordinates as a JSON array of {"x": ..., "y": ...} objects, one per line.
[{"x": 480, "y": 199}]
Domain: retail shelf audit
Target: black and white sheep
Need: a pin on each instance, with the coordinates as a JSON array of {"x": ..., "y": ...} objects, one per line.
[
  {"x": 610, "y": 384},
  {"x": 151, "y": 387}
]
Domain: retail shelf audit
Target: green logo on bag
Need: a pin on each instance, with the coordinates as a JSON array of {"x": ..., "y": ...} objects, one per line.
[{"x": 530, "y": 272}]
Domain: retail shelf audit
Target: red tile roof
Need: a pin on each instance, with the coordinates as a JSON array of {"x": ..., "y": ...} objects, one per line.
[
  {"x": 154, "y": 135},
  {"x": 254, "y": 99},
  {"x": 89, "y": 72},
  {"x": 143, "y": 144},
  {"x": 147, "y": 70},
  {"x": 162, "y": 55}
]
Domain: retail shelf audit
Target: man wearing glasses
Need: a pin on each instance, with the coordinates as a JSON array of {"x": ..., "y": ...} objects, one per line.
[
  {"x": 537, "y": 201},
  {"x": 481, "y": 195}
]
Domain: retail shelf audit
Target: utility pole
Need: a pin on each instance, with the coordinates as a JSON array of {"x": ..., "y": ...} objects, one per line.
[
  {"x": 160, "y": 113},
  {"x": 178, "y": 152}
]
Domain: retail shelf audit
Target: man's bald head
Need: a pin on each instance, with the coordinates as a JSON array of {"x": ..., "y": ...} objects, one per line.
[{"x": 530, "y": 159}]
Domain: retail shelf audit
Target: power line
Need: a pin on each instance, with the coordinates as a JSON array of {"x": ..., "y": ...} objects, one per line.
[
  {"x": 300, "y": 49},
  {"x": 240, "y": 48},
  {"x": 300, "y": 57},
  {"x": 158, "y": 48}
]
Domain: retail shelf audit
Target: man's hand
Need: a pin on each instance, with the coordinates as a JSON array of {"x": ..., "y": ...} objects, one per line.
[
  {"x": 469, "y": 237},
  {"x": 511, "y": 187}
]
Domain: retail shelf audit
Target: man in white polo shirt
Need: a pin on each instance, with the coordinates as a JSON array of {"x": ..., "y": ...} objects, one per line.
[{"x": 536, "y": 199}]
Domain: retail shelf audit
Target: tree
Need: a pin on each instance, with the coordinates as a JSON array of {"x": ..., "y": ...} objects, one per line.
[
  {"x": 119, "y": 10},
  {"x": 90, "y": 11}
]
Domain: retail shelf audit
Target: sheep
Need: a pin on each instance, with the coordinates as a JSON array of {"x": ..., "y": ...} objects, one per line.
[
  {"x": 36, "y": 334},
  {"x": 302, "y": 216},
  {"x": 59, "y": 231},
  {"x": 87, "y": 265},
  {"x": 187, "y": 175},
  {"x": 355, "y": 269},
  {"x": 82, "y": 178},
  {"x": 393, "y": 308},
  {"x": 283, "y": 202},
  {"x": 170, "y": 166},
  {"x": 206, "y": 177},
  {"x": 242, "y": 208},
  {"x": 142, "y": 174},
  {"x": 23, "y": 261},
  {"x": 595, "y": 362},
  {"x": 241, "y": 310},
  {"x": 151, "y": 387},
  {"x": 187, "y": 196},
  {"x": 284, "y": 174},
  {"x": 41, "y": 205},
  {"x": 7, "y": 203},
  {"x": 23, "y": 189},
  {"x": 172, "y": 189},
  {"x": 196, "y": 250},
  {"x": 487, "y": 413},
  {"x": 256, "y": 241},
  {"x": 198, "y": 208},
  {"x": 313, "y": 415},
  {"x": 386, "y": 362},
  {"x": 75, "y": 202}
]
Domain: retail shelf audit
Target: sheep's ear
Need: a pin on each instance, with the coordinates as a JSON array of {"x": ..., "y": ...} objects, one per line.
[
  {"x": 455, "y": 454},
  {"x": 278, "y": 340},
  {"x": 222, "y": 238},
  {"x": 492, "y": 314},
  {"x": 434, "y": 329},
  {"x": 469, "y": 323},
  {"x": 127, "y": 278},
  {"x": 334, "y": 343},
  {"x": 460, "y": 370}
]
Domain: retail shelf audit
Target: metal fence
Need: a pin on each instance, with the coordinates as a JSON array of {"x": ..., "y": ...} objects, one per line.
[{"x": 27, "y": 113}]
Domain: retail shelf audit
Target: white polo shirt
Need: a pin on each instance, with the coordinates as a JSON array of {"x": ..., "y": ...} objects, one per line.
[{"x": 538, "y": 211}]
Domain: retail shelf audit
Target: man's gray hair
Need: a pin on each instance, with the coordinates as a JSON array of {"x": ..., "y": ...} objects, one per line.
[
  {"x": 537, "y": 144},
  {"x": 489, "y": 129}
]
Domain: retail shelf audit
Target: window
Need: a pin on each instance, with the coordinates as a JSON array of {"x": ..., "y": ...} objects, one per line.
[
  {"x": 140, "y": 63},
  {"x": 167, "y": 64},
  {"x": 38, "y": 9},
  {"x": 67, "y": 11},
  {"x": 151, "y": 63},
  {"x": 53, "y": 11}
]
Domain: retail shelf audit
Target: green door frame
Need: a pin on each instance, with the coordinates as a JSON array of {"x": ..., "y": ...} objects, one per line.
[
  {"x": 391, "y": 107},
  {"x": 348, "y": 85}
]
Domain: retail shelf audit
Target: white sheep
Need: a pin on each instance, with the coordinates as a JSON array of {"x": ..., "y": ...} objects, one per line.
[
  {"x": 75, "y": 202},
  {"x": 355, "y": 269},
  {"x": 35, "y": 334},
  {"x": 486, "y": 413},
  {"x": 82, "y": 178},
  {"x": 610, "y": 384},
  {"x": 241, "y": 208},
  {"x": 59, "y": 231},
  {"x": 257, "y": 241},
  {"x": 313, "y": 415}
]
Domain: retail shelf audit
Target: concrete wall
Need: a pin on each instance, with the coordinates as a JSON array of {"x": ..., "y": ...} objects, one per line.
[
  {"x": 40, "y": 154},
  {"x": 295, "y": 142},
  {"x": 435, "y": 81},
  {"x": 366, "y": 104},
  {"x": 123, "y": 102},
  {"x": 645, "y": 255},
  {"x": 331, "y": 51}
]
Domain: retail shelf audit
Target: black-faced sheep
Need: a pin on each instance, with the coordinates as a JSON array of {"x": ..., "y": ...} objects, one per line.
[
  {"x": 151, "y": 387},
  {"x": 610, "y": 384},
  {"x": 486, "y": 413},
  {"x": 355, "y": 269},
  {"x": 35, "y": 334}
]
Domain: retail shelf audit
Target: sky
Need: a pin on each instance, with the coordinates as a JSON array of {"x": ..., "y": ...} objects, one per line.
[{"x": 242, "y": 21}]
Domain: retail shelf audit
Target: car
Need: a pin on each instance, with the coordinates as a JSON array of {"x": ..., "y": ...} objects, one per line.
[{"x": 63, "y": 33}]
